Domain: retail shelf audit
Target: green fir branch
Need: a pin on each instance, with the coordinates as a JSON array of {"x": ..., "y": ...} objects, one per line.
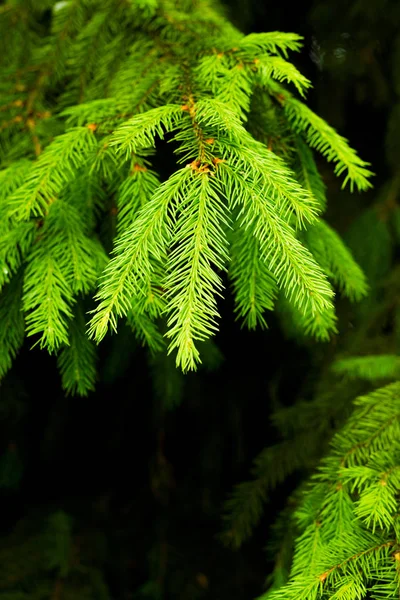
[
  {"x": 134, "y": 193},
  {"x": 324, "y": 139},
  {"x": 292, "y": 265},
  {"x": 336, "y": 260},
  {"x": 349, "y": 511},
  {"x": 129, "y": 274},
  {"x": 276, "y": 67},
  {"x": 63, "y": 262},
  {"x": 273, "y": 41},
  {"x": 192, "y": 282},
  {"x": 146, "y": 331},
  {"x": 140, "y": 131},
  {"x": 307, "y": 172},
  {"x": 77, "y": 362},
  {"x": 47, "y": 300},
  {"x": 370, "y": 368},
  {"x": 12, "y": 332},
  {"x": 51, "y": 173},
  {"x": 254, "y": 287}
]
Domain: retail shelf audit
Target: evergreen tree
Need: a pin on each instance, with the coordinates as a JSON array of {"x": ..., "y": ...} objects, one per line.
[{"x": 104, "y": 228}]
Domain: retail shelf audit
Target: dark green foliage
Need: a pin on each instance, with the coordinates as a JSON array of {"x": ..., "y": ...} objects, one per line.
[
  {"x": 39, "y": 560},
  {"x": 338, "y": 535}
]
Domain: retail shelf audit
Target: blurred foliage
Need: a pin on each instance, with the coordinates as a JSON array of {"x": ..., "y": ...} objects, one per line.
[{"x": 42, "y": 558}]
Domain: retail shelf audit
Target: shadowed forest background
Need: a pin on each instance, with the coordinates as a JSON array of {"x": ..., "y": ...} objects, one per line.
[{"x": 142, "y": 488}]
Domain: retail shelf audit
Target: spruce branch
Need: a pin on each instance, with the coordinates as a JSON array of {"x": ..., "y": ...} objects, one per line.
[
  {"x": 12, "y": 177},
  {"x": 96, "y": 92},
  {"x": 129, "y": 274},
  {"x": 350, "y": 507},
  {"x": 140, "y": 131},
  {"x": 276, "y": 67},
  {"x": 82, "y": 257},
  {"x": 273, "y": 41},
  {"x": 63, "y": 262},
  {"x": 146, "y": 331},
  {"x": 230, "y": 80},
  {"x": 51, "y": 172},
  {"x": 254, "y": 287},
  {"x": 292, "y": 265},
  {"x": 372, "y": 367},
  {"x": 304, "y": 322},
  {"x": 324, "y": 139},
  {"x": 244, "y": 508},
  {"x": 15, "y": 243},
  {"x": 94, "y": 111},
  {"x": 47, "y": 300},
  {"x": 256, "y": 165},
  {"x": 13, "y": 326},
  {"x": 77, "y": 362},
  {"x": 192, "y": 282},
  {"x": 307, "y": 172},
  {"x": 134, "y": 192},
  {"x": 336, "y": 260}
]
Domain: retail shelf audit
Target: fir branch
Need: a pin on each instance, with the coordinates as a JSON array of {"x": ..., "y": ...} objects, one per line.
[
  {"x": 258, "y": 166},
  {"x": 307, "y": 551},
  {"x": 254, "y": 287},
  {"x": 192, "y": 281},
  {"x": 273, "y": 41},
  {"x": 134, "y": 192},
  {"x": 299, "y": 323},
  {"x": 82, "y": 257},
  {"x": 336, "y": 260},
  {"x": 47, "y": 300},
  {"x": 93, "y": 111},
  {"x": 146, "y": 331},
  {"x": 324, "y": 139},
  {"x": 64, "y": 261},
  {"x": 349, "y": 509},
  {"x": 280, "y": 546},
  {"x": 92, "y": 51},
  {"x": 77, "y": 362},
  {"x": 15, "y": 243},
  {"x": 13, "y": 326},
  {"x": 12, "y": 177},
  {"x": 164, "y": 69},
  {"x": 231, "y": 82},
  {"x": 243, "y": 510},
  {"x": 236, "y": 89},
  {"x": 140, "y": 131},
  {"x": 295, "y": 270},
  {"x": 15, "y": 238},
  {"x": 143, "y": 73},
  {"x": 51, "y": 172},
  {"x": 276, "y": 67},
  {"x": 129, "y": 274},
  {"x": 371, "y": 368},
  {"x": 307, "y": 172},
  {"x": 374, "y": 426},
  {"x": 378, "y": 504}
]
